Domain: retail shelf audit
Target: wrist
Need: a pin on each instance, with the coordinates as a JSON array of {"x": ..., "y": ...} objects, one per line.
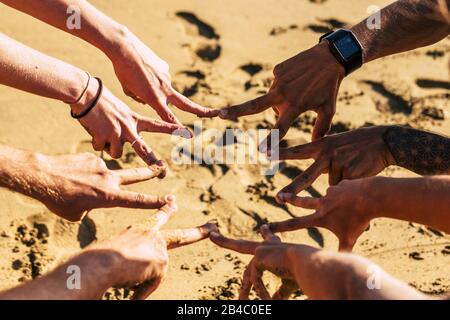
[
  {"x": 328, "y": 60},
  {"x": 116, "y": 41},
  {"x": 376, "y": 191},
  {"x": 75, "y": 87},
  {"x": 89, "y": 96}
]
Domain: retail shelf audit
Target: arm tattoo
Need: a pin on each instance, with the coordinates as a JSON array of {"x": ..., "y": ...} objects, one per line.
[{"x": 422, "y": 152}]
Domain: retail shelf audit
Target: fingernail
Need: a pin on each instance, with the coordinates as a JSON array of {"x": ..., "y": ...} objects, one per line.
[
  {"x": 182, "y": 132},
  {"x": 282, "y": 196},
  {"x": 170, "y": 198},
  {"x": 265, "y": 227},
  {"x": 214, "y": 234}
]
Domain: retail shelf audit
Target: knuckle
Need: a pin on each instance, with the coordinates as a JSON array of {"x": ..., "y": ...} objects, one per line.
[
  {"x": 139, "y": 199},
  {"x": 281, "y": 89},
  {"x": 277, "y": 70},
  {"x": 115, "y": 134},
  {"x": 330, "y": 192},
  {"x": 106, "y": 195}
]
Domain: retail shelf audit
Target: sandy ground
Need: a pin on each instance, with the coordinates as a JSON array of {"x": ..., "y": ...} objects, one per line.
[{"x": 402, "y": 89}]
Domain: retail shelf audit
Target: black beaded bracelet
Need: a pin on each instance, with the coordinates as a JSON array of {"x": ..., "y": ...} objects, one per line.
[{"x": 92, "y": 104}]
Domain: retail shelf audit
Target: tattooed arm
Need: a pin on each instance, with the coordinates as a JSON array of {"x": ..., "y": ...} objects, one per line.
[
  {"x": 405, "y": 25},
  {"x": 348, "y": 208},
  {"x": 366, "y": 152},
  {"x": 311, "y": 79},
  {"x": 422, "y": 152}
]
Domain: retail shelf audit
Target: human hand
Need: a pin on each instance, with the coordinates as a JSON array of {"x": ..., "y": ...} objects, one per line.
[
  {"x": 346, "y": 210},
  {"x": 351, "y": 155},
  {"x": 72, "y": 185},
  {"x": 145, "y": 77},
  {"x": 141, "y": 258},
  {"x": 269, "y": 255},
  {"x": 112, "y": 123},
  {"x": 308, "y": 81}
]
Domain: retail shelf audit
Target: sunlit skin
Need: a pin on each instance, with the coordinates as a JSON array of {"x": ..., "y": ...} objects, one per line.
[
  {"x": 320, "y": 274},
  {"x": 311, "y": 79},
  {"x": 366, "y": 152},
  {"x": 144, "y": 76},
  {"x": 137, "y": 259},
  {"x": 348, "y": 208},
  {"x": 72, "y": 185},
  {"x": 111, "y": 123}
]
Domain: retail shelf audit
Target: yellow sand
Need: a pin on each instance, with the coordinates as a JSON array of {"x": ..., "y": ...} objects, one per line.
[{"x": 203, "y": 270}]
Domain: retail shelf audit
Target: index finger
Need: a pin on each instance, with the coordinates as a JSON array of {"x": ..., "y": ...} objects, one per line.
[
  {"x": 134, "y": 175},
  {"x": 144, "y": 151},
  {"x": 156, "y": 125},
  {"x": 301, "y": 152},
  {"x": 162, "y": 216},
  {"x": 268, "y": 236},
  {"x": 305, "y": 179},
  {"x": 241, "y": 246},
  {"x": 309, "y": 221},
  {"x": 257, "y": 105},
  {"x": 182, "y": 237},
  {"x": 185, "y": 104}
]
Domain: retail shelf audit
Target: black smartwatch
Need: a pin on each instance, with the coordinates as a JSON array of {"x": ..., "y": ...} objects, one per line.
[{"x": 346, "y": 48}]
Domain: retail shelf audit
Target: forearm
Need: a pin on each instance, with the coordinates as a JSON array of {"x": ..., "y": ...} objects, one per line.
[
  {"x": 18, "y": 170},
  {"x": 29, "y": 70},
  {"x": 421, "y": 200},
  {"x": 95, "y": 27},
  {"x": 422, "y": 152},
  {"x": 329, "y": 275},
  {"x": 405, "y": 25},
  {"x": 85, "y": 277}
]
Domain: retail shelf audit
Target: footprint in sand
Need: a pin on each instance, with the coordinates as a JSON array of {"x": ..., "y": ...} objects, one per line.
[
  {"x": 387, "y": 100},
  {"x": 203, "y": 28},
  {"x": 276, "y": 31},
  {"x": 326, "y": 25},
  {"x": 32, "y": 246},
  {"x": 209, "y": 48}
]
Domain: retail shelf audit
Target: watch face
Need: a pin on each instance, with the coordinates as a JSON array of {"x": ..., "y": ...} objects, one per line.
[{"x": 347, "y": 47}]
